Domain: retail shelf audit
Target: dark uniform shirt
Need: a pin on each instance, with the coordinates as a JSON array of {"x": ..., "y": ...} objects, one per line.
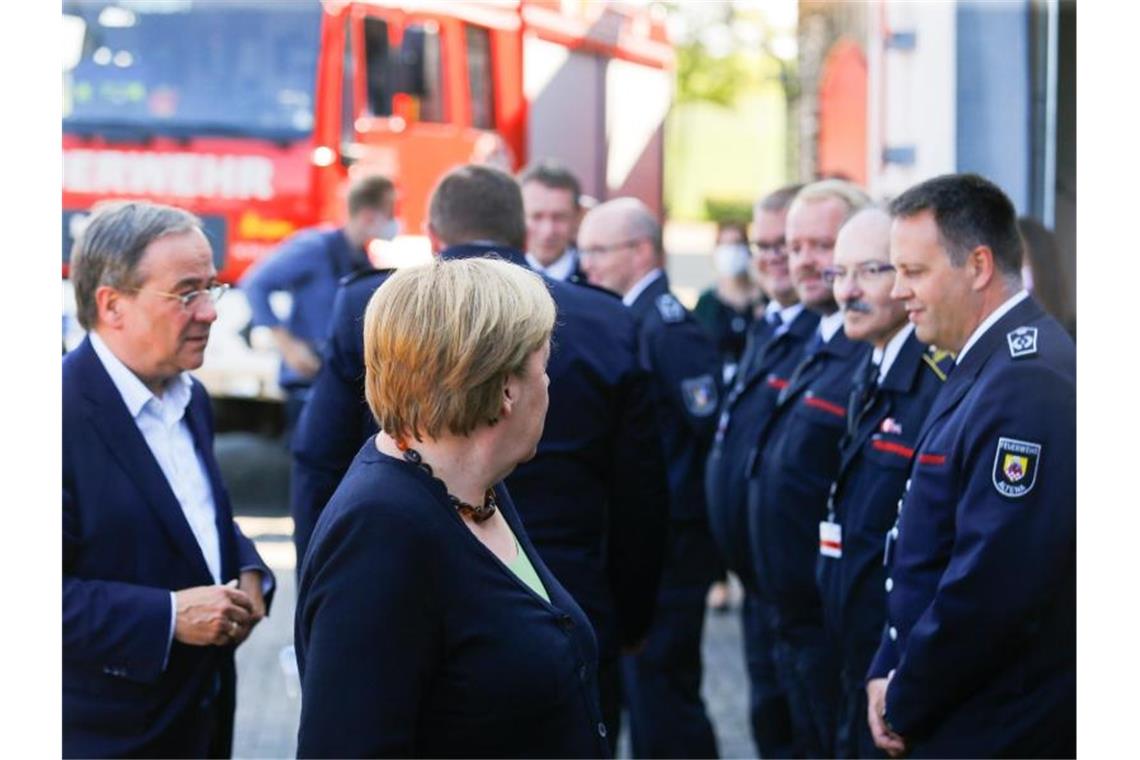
[
  {"x": 883, "y": 421},
  {"x": 874, "y": 457},
  {"x": 981, "y": 627},
  {"x": 308, "y": 266},
  {"x": 590, "y": 498},
  {"x": 674, "y": 350},
  {"x": 795, "y": 460},
  {"x": 767, "y": 364}
]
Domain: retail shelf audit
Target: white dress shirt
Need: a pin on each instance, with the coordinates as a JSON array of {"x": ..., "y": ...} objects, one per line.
[
  {"x": 830, "y": 325},
  {"x": 163, "y": 425},
  {"x": 562, "y": 267},
  {"x": 640, "y": 286},
  {"x": 884, "y": 357}
]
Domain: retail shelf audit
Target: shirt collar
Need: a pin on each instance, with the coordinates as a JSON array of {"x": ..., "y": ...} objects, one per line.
[
  {"x": 135, "y": 394},
  {"x": 990, "y": 321},
  {"x": 830, "y": 325},
  {"x": 885, "y": 357},
  {"x": 640, "y": 286},
  {"x": 560, "y": 269}
]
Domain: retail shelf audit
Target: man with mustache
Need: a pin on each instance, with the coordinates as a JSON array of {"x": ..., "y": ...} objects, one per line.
[
  {"x": 774, "y": 348},
  {"x": 159, "y": 584},
  {"x": 793, "y": 462},
  {"x": 893, "y": 392}
]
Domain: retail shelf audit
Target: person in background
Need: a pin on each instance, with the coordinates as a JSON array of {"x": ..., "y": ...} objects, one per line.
[
  {"x": 774, "y": 348},
  {"x": 621, "y": 251},
  {"x": 1043, "y": 273},
  {"x": 159, "y": 584},
  {"x": 978, "y": 656},
  {"x": 308, "y": 266},
  {"x": 551, "y": 196},
  {"x": 795, "y": 460},
  {"x": 591, "y": 497},
  {"x": 892, "y": 394},
  {"x": 427, "y": 623},
  {"x": 727, "y": 309}
]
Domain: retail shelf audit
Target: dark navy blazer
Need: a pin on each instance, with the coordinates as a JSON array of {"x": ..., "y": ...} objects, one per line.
[
  {"x": 875, "y": 457},
  {"x": 591, "y": 497},
  {"x": 765, "y": 368},
  {"x": 981, "y": 628},
  {"x": 795, "y": 461},
  {"x": 414, "y": 640},
  {"x": 126, "y": 546}
]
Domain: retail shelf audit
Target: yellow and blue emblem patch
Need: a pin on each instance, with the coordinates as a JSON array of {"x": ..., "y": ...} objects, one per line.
[{"x": 1015, "y": 467}]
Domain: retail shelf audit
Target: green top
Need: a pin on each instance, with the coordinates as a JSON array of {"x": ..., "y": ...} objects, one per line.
[{"x": 526, "y": 572}]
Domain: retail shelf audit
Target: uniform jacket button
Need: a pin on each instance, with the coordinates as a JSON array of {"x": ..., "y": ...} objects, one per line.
[
  {"x": 602, "y": 730},
  {"x": 889, "y": 584},
  {"x": 893, "y": 633},
  {"x": 583, "y": 673}
]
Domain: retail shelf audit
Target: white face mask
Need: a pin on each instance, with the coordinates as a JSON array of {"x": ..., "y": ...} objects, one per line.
[
  {"x": 387, "y": 230},
  {"x": 731, "y": 259}
]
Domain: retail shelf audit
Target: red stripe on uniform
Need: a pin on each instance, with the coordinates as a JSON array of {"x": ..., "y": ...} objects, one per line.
[
  {"x": 831, "y": 544},
  {"x": 826, "y": 406},
  {"x": 932, "y": 459},
  {"x": 777, "y": 383},
  {"x": 893, "y": 448}
]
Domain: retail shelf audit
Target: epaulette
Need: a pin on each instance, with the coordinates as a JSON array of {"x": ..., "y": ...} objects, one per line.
[
  {"x": 1022, "y": 342},
  {"x": 582, "y": 282},
  {"x": 939, "y": 361},
  {"x": 670, "y": 308},
  {"x": 360, "y": 274}
]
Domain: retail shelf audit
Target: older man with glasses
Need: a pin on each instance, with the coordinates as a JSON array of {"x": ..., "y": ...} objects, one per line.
[
  {"x": 893, "y": 392},
  {"x": 621, "y": 250},
  {"x": 159, "y": 584}
]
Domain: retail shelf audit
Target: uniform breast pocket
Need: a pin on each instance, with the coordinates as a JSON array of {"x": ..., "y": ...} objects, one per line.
[
  {"x": 887, "y": 452},
  {"x": 812, "y": 435}
]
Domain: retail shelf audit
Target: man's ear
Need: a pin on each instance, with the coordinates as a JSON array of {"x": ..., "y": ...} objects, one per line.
[
  {"x": 981, "y": 266},
  {"x": 109, "y": 306}
]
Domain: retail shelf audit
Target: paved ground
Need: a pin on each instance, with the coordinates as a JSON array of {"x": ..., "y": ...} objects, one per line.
[{"x": 269, "y": 704}]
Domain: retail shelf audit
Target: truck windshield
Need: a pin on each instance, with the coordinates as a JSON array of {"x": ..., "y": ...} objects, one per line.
[{"x": 190, "y": 67}]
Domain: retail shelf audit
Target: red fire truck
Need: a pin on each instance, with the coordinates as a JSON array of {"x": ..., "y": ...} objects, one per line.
[{"x": 256, "y": 114}]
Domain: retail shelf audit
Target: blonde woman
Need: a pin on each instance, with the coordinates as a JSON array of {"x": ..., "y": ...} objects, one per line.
[{"x": 427, "y": 625}]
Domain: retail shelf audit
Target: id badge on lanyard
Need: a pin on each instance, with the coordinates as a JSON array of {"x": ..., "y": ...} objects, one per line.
[{"x": 830, "y": 539}]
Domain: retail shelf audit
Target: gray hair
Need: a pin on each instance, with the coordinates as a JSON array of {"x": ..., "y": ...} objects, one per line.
[{"x": 108, "y": 251}]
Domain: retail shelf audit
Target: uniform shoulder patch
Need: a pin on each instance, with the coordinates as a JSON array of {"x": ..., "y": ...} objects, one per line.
[
  {"x": 699, "y": 394},
  {"x": 1022, "y": 342},
  {"x": 1015, "y": 467},
  {"x": 670, "y": 308}
]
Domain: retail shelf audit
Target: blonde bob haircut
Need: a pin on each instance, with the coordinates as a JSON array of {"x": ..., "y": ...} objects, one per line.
[{"x": 440, "y": 341}]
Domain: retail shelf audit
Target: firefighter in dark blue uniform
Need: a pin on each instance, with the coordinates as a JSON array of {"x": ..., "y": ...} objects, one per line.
[
  {"x": 892, "y": 394},
  {"x": 620, "y": 242},
  {"x": 591, "y": 497},
  {"x": 978, "y": 655},
  {"x": 794, "y": 460},
  {"x": 774, "y": 348}
]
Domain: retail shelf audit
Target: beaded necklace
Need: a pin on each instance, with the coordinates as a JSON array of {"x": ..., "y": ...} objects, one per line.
[{"x": 479, "y": 513}]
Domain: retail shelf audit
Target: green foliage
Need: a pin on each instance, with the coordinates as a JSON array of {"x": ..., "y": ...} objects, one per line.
[
  {"x": 725, "y": 210},
  {"x": 704, "y": 78}
]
